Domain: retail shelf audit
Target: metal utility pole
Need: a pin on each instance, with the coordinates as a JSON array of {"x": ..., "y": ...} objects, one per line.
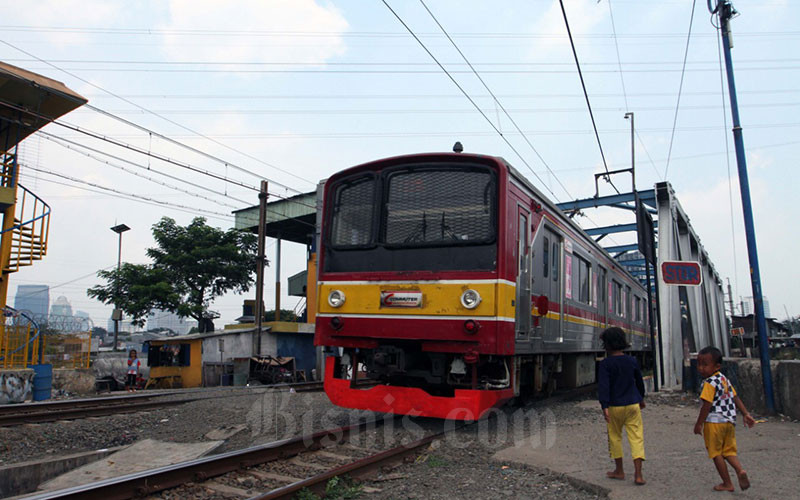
[
  {"x": 278, "y": 279},
  {"x": 724, "y": 9},
  {"x": 117, "y": 314},
  {"x": 260, "y": 263},
  {"x": 646, "y": 241}
]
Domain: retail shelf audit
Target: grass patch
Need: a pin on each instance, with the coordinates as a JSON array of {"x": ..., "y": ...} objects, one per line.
[
  {"x": 435, "y": 461},
  {"x": 338, "y": 488}
]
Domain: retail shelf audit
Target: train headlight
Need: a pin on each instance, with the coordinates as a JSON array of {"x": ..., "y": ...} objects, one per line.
[
  {"x": 470, "y": 299},
  {"x": 336, "y": 298}
]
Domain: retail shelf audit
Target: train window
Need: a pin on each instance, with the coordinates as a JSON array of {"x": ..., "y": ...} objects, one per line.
[
  {"x": 439, "y": 207},
  {"x": 618, "y": 300},
  {"x": 583, "y": 280},
  {"x": 353, "y": 213},
  {"x": 627, "y": 307},
  {"x": 637, "y": 310},
  {"x": 546, "y": 255},
  {"x": 555, "y": 256}
]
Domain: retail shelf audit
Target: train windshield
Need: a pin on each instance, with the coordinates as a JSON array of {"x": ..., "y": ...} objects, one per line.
[
  {"x": 438, "y": 207},
  {"x": 421, "y": 217}
]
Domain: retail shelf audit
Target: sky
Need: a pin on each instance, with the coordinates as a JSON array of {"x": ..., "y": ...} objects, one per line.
[{"x": 293, "y": 91}]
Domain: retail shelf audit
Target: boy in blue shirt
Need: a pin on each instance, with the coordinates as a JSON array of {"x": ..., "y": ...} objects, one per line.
[{"x": 620, "y": 389}]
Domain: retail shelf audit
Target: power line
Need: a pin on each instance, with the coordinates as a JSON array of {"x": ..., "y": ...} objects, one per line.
[
  {"x": 195, "y": 150},
  {"x": 650, "y": 62},
  {"x": 658, "y": 174},
  {"x": 359, "y": 34},
  {"x": 659, "y": 69},
  {"x": 680, "y": 88},
  {"x": 423, "y": 111},
  {"x": 496, "y": 100},
  {"x": 467, "y": 96},
  {"x": 101, "y": 137},
  {"x": 136, "y": 149},
  {"x": 125, "y": 197},
  {"x": 619, "y": 60},
  {"x": 93, "y": 273},
  {"x": 586, "y": 94},
  {"x": 429, "y": 96},
  {"x": 64, "y": 143},
  {"x": 259, "y": 160},
  {"x": 152, "y": 200}
]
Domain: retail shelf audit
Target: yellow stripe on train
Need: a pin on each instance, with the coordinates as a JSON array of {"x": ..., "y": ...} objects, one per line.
[
  {"x": 497, "y": 298},
  {"x": 438, "y": 299}
]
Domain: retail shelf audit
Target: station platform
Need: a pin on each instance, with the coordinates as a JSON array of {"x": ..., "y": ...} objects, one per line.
[{"x": 677, "y": 465}]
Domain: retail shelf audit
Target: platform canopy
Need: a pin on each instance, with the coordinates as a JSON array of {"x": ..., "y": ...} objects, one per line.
[
  {"x": 291, "y": 219},
  {"x": 29, "y": 101}
]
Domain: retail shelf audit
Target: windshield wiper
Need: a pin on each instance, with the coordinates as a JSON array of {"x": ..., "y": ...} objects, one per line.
[
  {"x": 420, "y": 230},
  {"x": 446, "y": 230}
]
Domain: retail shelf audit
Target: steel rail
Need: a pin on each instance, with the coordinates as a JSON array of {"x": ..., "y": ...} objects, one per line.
[
  {"x": 41, "y": 415},
  {"x": 148, "y": 482},
  {"x": 358, "y": 468}
]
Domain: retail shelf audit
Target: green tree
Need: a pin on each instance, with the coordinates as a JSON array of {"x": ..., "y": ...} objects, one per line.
[
  {"x": 286, "y": 315},
  {"x": 191, "y": 266}
]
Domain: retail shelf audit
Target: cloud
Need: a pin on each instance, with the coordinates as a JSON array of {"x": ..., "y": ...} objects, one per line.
[
  {"x": 253, "y": 19},
  {"x": 583, "y": 16},
  {"x": 48, "y": 13}
]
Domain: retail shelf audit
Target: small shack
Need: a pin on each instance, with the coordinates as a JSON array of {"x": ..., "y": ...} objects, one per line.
[{"x": 223, "y": 357}]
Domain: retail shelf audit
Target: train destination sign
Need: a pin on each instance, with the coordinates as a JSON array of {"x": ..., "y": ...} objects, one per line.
[{"x": 681, "y": 273}]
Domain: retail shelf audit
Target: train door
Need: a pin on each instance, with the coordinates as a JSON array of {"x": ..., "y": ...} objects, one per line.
[
  {"x": 553, "y": 287},
  {"x": 523, "y": 310}
]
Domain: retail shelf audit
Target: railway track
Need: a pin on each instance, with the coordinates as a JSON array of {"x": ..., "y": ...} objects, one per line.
[
  {"x": 71, "y": 409},
  {"x": 276, "y": 470}
]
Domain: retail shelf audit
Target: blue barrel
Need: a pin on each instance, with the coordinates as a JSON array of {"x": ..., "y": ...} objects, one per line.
[{"x": 42, "y": 381}]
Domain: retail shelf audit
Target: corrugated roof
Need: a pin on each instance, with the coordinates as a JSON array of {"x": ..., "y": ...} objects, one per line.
[{"x": 29, "y": 101}]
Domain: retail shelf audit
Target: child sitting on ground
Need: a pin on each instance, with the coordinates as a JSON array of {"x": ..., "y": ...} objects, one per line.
[
  {"x": 620, "y": 389},
  {"x": 717, "y": 418}
]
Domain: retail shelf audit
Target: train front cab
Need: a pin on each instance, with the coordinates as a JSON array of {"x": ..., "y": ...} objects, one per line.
[{"x": 412, "y": 288}]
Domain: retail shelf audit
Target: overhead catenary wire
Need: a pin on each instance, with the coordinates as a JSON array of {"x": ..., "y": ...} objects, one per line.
[
  {"x": 137, "y": 149},
  {"x": 71, "y": 146},
  {"x": 245, "y": 33},
  {"x": 496, "y": 100},
  {"x": 173, "y": 122},
  {"x": 455, "y": 82},
  {"x": 116, "y": 142},
  {"x": 586, "y": 94},
  {"x": 680, "y": 89},
  {"x": 128, "y": 198},
  {"x": 619, "y": 59},
  {"x": 133, "y": 195}
]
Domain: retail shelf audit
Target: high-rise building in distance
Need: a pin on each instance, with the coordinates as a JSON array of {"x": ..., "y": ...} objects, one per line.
[{"x": 33, "y": 298}]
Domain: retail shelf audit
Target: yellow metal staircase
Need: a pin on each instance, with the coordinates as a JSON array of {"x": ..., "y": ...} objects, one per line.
[{"x": 29, "y": 238}]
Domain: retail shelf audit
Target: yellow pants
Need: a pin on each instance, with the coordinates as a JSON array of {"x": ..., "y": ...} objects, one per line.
[
  {"x": 629, "y": 417},
  {"x": 720, "y": 439}
]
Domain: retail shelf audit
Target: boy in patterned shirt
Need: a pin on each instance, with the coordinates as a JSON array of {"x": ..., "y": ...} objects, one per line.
[{"x": 718, "y": 417}]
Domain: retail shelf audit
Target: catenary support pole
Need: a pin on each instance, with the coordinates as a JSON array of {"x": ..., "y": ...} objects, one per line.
[
  {"x": 258, "y": 310},
  {"x": 278, "y": 279},
  {"x": 725, "y": 10}
]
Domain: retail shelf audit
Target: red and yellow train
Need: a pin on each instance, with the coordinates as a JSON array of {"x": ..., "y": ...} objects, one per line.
[{"x": 457, "y": 285}]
